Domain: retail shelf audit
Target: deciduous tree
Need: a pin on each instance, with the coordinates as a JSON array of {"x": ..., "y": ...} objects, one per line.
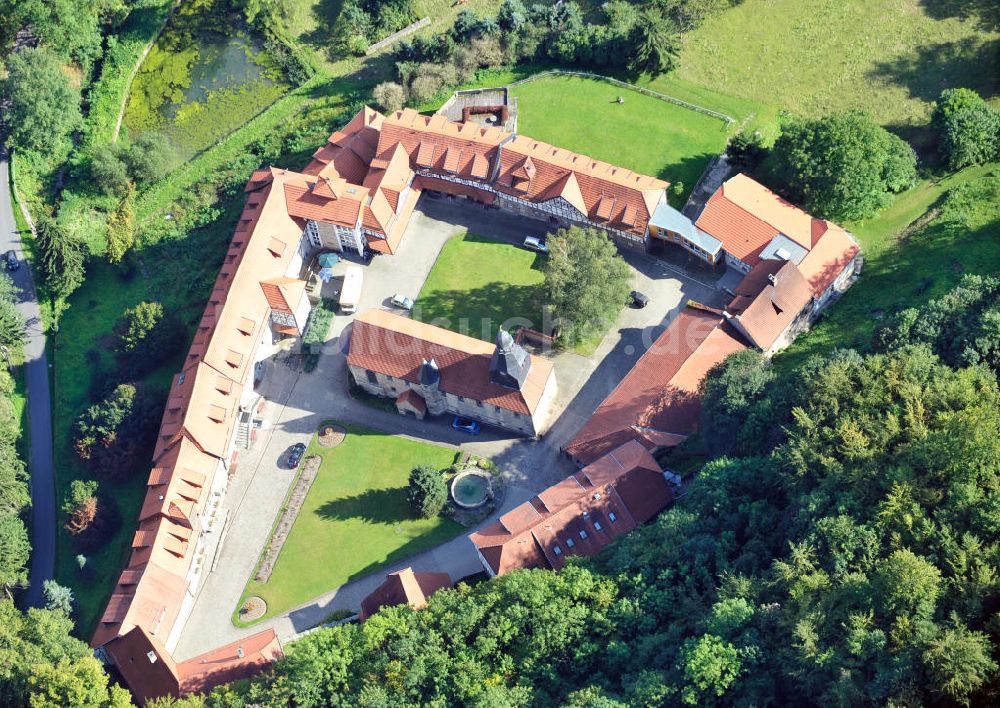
[
  {"x": 968, "y": 129},
  {"x": 843, "y": 166},
  {"x": 586, "y": 282},
  {"x": 43, "y": 107}
]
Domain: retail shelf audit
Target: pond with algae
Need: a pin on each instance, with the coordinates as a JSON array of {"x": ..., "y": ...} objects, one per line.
[{"x": 197, "y": 86}]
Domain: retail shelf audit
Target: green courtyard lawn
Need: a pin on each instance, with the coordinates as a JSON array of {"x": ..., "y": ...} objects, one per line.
[
  {"x": 914, "y": 251},
  {"x": 888, "y": 57},
  {"x": 356, "y": 518},
  {"x": 477, "y": 284},
  {"x": 644, "y": 134}
]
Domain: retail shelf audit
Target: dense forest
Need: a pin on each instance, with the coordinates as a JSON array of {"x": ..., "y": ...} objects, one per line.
[{"x": 842, "y": 549}]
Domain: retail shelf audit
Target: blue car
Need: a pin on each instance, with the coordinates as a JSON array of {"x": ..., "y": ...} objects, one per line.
[{"x": 466, "y": 425}]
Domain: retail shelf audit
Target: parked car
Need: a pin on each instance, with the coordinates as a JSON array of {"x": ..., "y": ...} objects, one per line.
[
  {"x": 466, "y": 425},
  {"x": 11, "y": 259},
  {"x": 637, "y": 300},
  {"x": 295, "y": 453},
  {"x": 400, "y": 300},
  {"x": 536, "y": 243}
]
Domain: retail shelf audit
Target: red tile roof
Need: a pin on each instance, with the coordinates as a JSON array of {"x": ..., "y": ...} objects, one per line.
[
  {"x": 745, "y": 215},
  {"x": 151, "y": 672},
  {"x": 768, "y": 300},
  {"x": 578, "y": 516},
  {"x": 657, "y": 401},
  {"x": 403, "y": 588},
  {"x": 199, "y": 417},
  {"x": 397, "y": 346},
  {"x": 828, "y": 258}
]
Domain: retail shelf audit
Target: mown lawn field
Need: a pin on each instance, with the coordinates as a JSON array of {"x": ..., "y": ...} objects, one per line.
[
  {"x": 644, "y": 134},
  {"x": 356, "y": 518},
  {"x": 889, "y": 57},
  {"x": 478, "y": 284}
]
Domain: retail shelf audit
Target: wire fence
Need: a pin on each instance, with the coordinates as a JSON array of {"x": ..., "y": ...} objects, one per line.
[{"x": 631, "y": 87}]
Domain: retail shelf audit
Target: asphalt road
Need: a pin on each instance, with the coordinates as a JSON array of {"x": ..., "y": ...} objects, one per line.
[{"x": 36, "y": 369}]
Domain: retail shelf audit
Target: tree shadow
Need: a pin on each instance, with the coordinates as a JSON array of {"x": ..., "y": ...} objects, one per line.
[
  {"x": 932, "y": 68},
  {"x": 479, "y": 312},
  {"x": 326, "y": 13},
  {"x": 986, "y": 13},
  {"x": 687, "y": 170},
  {"x": 373, "y": 506}
]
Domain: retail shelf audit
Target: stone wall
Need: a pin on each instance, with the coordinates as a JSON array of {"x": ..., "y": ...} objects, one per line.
[{"x": 390, "y": 387}]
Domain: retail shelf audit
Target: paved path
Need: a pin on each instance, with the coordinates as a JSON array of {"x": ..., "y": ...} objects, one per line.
[{"x": 36, "y": 372}]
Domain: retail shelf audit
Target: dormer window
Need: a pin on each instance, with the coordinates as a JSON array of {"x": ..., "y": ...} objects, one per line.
[
  {"x": 276, "y": 247},
  {"x": 234, "y": 358},
  {"x": 246, "y": 326},
  {"x": 217, "y": 413}
]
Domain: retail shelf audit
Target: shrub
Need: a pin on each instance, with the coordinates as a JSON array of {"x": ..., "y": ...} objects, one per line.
[
  {"x": 121, "y": 226},
  {"x": 106, "y": 523},
  {"x": 428, "y": 492},
  {"x": 57, "y": 597},
  {"x": 79, "y": 492},
  {"x": 318, "y": 327},
  {"x": 117, "y": 433},
  {"x": 389, "y": 96},
  {"x": 968, "y": 130},
  {"x": 746, "y": 150},
  {"x": 148, "y": 157},
  {"x": 108, "y": 171},
  {"x": 145, "y": 336}
]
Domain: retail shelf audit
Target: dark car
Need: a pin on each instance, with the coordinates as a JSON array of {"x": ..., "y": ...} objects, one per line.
[
  {"x": 11, "y": 259},
  {"x": 295, "y": 453},
  {"x": 637, "y": 300},
  {"x": 466, "y": 425}
]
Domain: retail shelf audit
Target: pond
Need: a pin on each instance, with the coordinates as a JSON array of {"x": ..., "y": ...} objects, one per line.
[
  {"x": 197, "y": 86},
  {"x": 470, "y": 489}
]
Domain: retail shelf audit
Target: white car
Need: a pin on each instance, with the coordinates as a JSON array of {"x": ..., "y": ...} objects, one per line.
[{"x": 536, "y": 243}]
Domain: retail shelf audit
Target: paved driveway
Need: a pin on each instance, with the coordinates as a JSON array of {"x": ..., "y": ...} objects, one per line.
[
  {"x": 298, "y": 402},
  {"x": 36, "y": 374}
]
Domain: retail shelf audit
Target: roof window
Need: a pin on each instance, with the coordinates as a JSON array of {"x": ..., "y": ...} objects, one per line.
[
  {"x": 570, "y": 543},
  {"x": 597, "y": 525},
  {"x": 557, "y": 550},
  {"x": 612, "y": 516},
  {"x": 583, "y": 534}
]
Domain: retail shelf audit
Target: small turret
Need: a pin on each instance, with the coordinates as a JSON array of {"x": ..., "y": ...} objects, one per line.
[
  {"x": 510, "y": 363},
  {"x": 430, "y": 374}
]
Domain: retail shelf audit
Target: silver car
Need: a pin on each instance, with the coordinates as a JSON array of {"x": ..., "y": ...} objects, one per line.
[
  {"x": 536, "y": 243},
  {"x": 402, "y": 301}
]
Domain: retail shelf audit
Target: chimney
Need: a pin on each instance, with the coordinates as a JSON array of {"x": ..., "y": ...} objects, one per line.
[{"x": 772, "y": 279}]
